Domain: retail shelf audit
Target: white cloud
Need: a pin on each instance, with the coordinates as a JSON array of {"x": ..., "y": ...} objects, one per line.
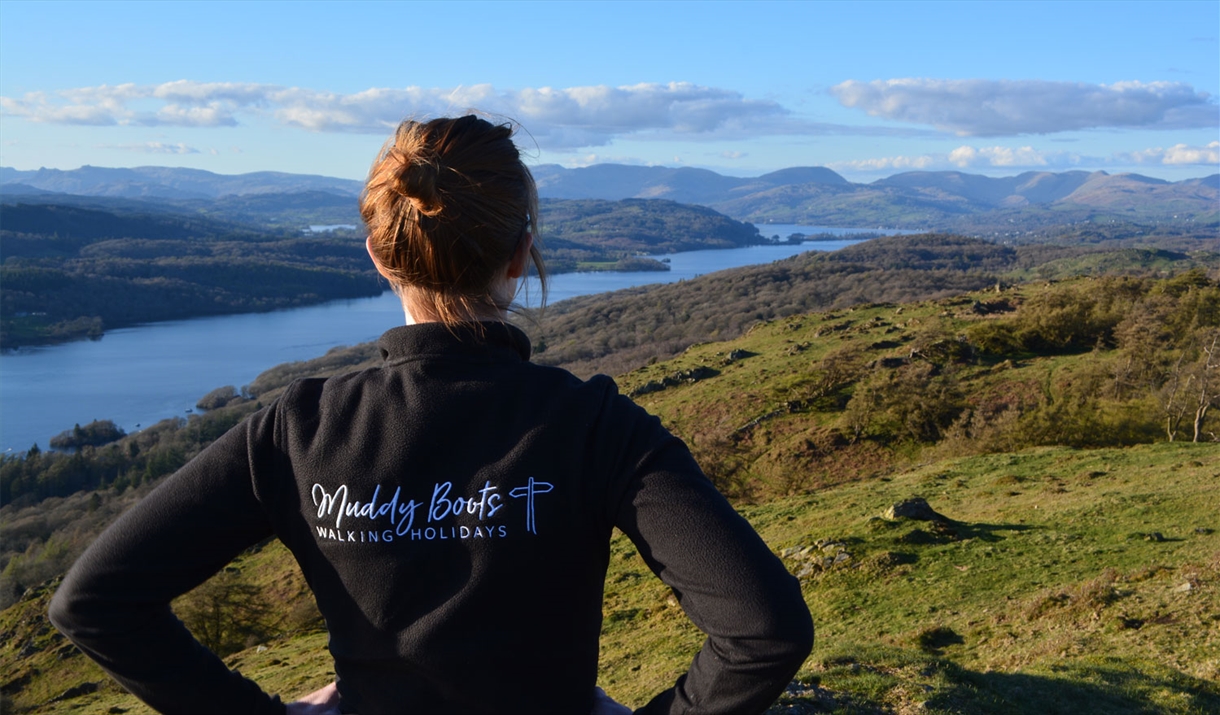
[
  {"x": 1025, "y": 158},
  {"x": 35, "y": 107},
  {"x": 558, "y": 118},
  {"x": 966, "y": 156},
  {"x": 154, "y": 148},
  {"x": 969, "y": 157},
  {"x": 569, "y": 117},
  {"x": 1178, "y": 154},
  {"x": 185, "y": 104},
  {"x": 582, "y": 160},
  {"x": 887, "y": 163},
  {"x": 978, "y": 107},
  {"x": 733, "y": 154}
]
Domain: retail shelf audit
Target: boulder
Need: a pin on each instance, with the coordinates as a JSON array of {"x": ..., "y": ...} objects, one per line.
[{"x": 916, "y": 508}]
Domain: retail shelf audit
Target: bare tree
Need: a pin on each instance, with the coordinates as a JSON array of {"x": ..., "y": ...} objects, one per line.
[
  {"x": 1207, "y": 386},
  {"x": 227, "y": 612},
  {"x": 1172, "y": 397}
]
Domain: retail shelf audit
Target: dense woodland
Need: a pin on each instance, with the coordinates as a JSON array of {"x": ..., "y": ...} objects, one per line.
[{"x": 72, "y": 271}]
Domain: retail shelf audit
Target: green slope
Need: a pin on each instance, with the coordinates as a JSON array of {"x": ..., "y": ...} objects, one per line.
[
  {"x": 1051, "y": 593},
  {"x": 1065, "y": 580}
]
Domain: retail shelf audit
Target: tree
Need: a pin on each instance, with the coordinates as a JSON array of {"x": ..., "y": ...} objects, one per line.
[
  {"x": 915, "y": 401},
  {"x": 94, "y": 434},
  {"x": 1207, "y": 386},
  {"x": 226, "y": 613},
  {"x": 217, "y": 398},
  {"x": 1173, "y": 400}
]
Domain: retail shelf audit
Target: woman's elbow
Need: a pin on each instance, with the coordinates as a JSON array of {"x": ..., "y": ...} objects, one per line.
[
  {"x": 78, "y": 613},
  {"x": 65, "y": 610},
  {"x": 800, "y": 642},
  {"x": 793, "y": 637}
]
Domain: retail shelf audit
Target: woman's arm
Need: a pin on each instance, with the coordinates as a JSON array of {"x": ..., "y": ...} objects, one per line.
[
  {"x": 114, "y": 603},
  {"x": 727, "y": 580}
]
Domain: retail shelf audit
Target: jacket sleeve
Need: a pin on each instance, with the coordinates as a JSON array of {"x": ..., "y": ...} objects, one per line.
[
  {"x": 114, "y": 604},
  {"x": 727, "y": 580}
]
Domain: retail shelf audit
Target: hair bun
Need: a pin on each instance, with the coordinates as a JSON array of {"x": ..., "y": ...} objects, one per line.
[{"x": 416, "y": 180}]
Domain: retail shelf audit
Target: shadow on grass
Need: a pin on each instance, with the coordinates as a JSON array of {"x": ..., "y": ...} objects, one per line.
[
  {"x": 987, "y": 532},
  {"x": 1076, "y": 689},
  {"x": 944, "y": 532},
  {"x": 893, "y": 681}
]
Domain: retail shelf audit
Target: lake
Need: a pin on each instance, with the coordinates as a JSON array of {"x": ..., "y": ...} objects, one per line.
[{"x": 137, "y": 376}]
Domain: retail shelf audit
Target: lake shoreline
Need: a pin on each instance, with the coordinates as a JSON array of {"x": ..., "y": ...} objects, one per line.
[
  {"x": 143, "y": 374},
  {"x": 91, "y": 328}
]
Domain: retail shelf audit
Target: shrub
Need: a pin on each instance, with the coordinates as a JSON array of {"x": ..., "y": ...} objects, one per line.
[
  {"x": 94, "y": 434},
  {"x": 217, "y": 398}
]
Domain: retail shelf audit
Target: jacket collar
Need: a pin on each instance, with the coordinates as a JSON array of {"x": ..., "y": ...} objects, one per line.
[{"x": 487, "y": 340}]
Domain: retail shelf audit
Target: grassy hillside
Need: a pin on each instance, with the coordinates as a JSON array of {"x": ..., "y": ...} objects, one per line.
[
  {"x": 621, "y": 331},
  {"x": 1069, "y": 581},
  {"x": 1075, "y": 566}
]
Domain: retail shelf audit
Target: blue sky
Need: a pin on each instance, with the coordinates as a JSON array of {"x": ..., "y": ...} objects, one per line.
[{"x": 867, "y": 88}]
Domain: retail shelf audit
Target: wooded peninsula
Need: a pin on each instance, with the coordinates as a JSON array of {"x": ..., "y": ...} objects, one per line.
[{"x": 69, "y": 271}]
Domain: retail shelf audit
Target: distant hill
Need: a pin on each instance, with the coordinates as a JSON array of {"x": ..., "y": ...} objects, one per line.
[
  {"x": 926, "y": 200},
  {"x": 1132, "y": 192},
  {"x": 1038, "y": 187},
  {"x": 292, "y": 211},
  {"x": 83, "y": 224},
  {"x": 687, "y": 185},
  {"x": 73, "y": 271},
  {"x": 577, "y": 234},
  {"x": 1212, "y": 181},
  {"x": 18, "y": 189},
  {"x": 984, "y": 206},
  {"x": 267, "y": 199},
  {"x": 172, "y": 183}
]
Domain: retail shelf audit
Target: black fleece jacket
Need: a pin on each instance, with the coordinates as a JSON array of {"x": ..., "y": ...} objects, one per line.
[{"x": 451, "y": 511}]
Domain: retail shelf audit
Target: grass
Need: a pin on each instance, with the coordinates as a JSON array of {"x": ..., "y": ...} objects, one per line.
[{"x": 1052, "y": 599}]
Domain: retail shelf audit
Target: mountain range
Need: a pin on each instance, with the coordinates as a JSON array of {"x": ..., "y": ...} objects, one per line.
[
  {"x": 800, "y": 195},
  {"x": 917, "y": 199}
]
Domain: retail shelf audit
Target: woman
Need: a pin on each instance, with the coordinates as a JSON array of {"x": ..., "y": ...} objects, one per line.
[{"x": 452, "y": 508}]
